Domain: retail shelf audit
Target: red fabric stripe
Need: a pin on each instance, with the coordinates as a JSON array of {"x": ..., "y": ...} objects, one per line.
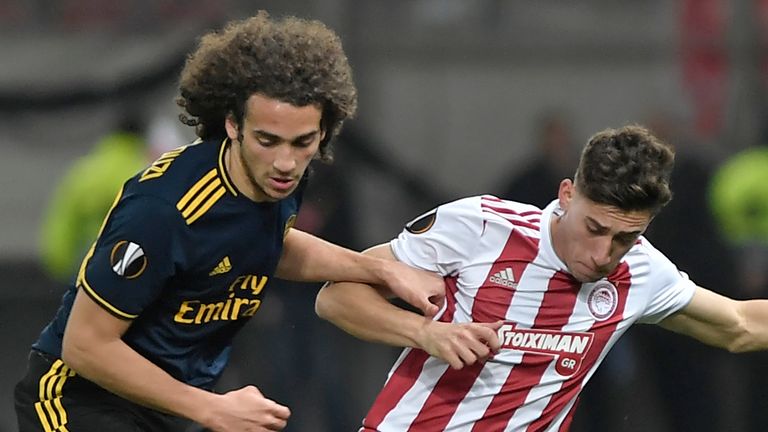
[
  {"x": 554, "y": 312},
  {"x": 509, "y": 211},
  {"x": 492, "y": 300},
  {"x": 603, "y": 330},
  {"x": 493, "y": 205},
  {"x": 532, "y": 223},
  {"x": 490, "y": 304},
  {"x": 408, "y": 370},
  {"x": 566, "y": 425},
  {"x": 449, "y": 391}
]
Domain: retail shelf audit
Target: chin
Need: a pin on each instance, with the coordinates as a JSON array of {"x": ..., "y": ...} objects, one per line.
[
  {"x": 585, "y": 278},
  {"x": 277, "y": 196}
]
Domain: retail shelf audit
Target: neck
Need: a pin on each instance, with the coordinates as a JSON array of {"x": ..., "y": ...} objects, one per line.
[
  {"x": 554, "y": 226},
  {"x": 236, "y": 170}
]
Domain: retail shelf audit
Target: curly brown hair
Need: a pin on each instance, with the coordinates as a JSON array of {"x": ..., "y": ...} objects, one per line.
[
  {"x": 293, "y": 60},
  {"x": 627, "y": 168}
]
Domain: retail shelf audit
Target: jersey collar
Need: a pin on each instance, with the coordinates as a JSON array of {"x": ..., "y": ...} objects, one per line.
[
  {"x": 228, "y": 183},
  {"x": 546, "y": 246}
]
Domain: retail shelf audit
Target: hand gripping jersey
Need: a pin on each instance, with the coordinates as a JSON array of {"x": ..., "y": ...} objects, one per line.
[
  {"x": 499, "y": 264},
  {"x": 186, "y": 257}
]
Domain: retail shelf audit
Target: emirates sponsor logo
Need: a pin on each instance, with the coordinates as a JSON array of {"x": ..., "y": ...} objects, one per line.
[{"x": 568, "y": 348}]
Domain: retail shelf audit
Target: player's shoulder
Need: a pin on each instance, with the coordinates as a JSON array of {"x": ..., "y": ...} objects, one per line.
[
  {"x": 644, "y": 259},
  {"x": 194, "y": 173},
  {"x": 476, "y": 212},
  {"x": 495, "y": 210}
]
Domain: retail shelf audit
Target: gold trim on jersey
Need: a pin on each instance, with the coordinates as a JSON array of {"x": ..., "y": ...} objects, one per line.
[
  {"x": 83, "y": 283},
  {"x": 223, "y": 167},
  {"x": 50, "y": 411},
  {"x": 162, "y": 163},
  {"x": 201, "y": 197}
]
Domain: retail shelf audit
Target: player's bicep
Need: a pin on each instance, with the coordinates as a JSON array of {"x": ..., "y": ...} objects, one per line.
[
  {"x": 90, "y": 325},
  {"x": 383, "y": 251},
  {"x": 708, "y": 317}
]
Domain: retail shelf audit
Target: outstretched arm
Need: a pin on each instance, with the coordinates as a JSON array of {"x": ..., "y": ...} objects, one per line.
[
  {"x": 738, "y": 326},
  {"x": 308, "y": 258},
  {"x": 364, "y": 312},
  {"x": 94, "y": 349}
]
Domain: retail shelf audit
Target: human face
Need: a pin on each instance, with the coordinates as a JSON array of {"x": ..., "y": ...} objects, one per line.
[
  {"x": 279, "y": 141},
  {"x": 591, "y": 238}
]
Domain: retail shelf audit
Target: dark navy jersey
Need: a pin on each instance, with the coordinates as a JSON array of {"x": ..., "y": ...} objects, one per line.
[{"x": 186, "y": 257}]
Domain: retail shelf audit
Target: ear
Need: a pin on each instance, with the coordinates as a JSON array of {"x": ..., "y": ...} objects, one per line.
[
  {"x": 565, "y": 193},
  {"x": 231, "y": 126}
]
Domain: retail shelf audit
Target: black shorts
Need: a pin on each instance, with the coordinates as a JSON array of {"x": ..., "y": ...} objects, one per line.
[{"x": 52, "y": 398}]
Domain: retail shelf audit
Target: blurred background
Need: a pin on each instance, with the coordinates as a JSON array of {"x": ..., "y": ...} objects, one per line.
[{"x": 457, "y": 97}]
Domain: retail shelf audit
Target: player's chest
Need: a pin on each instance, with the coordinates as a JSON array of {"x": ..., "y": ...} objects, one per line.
[
  {"x": 234, "y": 259},
  {"x": 541, "y": 297}
]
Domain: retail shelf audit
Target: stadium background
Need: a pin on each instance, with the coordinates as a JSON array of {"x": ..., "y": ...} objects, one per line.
[{"x": 450, "y": 91}]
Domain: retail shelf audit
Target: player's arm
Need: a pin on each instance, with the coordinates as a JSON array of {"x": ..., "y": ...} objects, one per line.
[
  {"x": 716, "y": 320},
  {"x": 94, "y": 349},
  {"x": 308, "y": 258},
  {"x": 364, "y": 312}
]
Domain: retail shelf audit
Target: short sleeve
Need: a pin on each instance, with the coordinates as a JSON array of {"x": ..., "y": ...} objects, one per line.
[
  {"x": 441, "y": 240},
  {"x": 134, "y": 256},
  {"x": 672, "y": 290}
]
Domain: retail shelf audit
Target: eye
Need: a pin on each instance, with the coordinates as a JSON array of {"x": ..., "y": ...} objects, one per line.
[
  {"x": 305, "y": 141},
  {"x": 626, "y": 239},
  {"x": 266, "y": 142}
]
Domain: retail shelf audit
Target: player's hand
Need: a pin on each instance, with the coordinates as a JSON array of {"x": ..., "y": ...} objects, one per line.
[
  {"x": 460, "y": 344},
  {"x": 247, "y": 410},
  {"x": 419, "y": 288}
]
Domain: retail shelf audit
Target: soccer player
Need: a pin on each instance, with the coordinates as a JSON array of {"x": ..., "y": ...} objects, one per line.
[
  {"x": 566, "y": 281},
  {"x": 191, "y": 243}
]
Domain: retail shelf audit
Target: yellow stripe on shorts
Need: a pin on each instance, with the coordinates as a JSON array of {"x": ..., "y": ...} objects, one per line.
[{"x": 50, "y": 411}]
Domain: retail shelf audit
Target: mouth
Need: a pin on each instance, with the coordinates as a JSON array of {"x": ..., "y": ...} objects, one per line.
[{"x": 282, "y": 183}]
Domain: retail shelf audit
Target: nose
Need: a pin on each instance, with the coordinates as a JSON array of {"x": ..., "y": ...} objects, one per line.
[
  {"x": 285, "y": 160},
  {"x": 601, "y": 253}
]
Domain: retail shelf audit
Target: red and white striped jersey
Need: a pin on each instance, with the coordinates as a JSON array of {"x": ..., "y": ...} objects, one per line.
[{"x": 499, "y": 264}]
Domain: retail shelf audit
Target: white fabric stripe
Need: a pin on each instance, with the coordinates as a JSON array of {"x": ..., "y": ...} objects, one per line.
[
  {"x": 399, "y": 361},
  {"x": 531, "y": 219},
  {"x": 532, "y": 284},
  {"x": 509, "y": 205},
  {"x": 491, "y": 379},
  {"x": 560, "y": 417},
  {"x": 535, "y": 280},
  {"x": 535, "y": 403},
  {"x": 406, "y": 410}
]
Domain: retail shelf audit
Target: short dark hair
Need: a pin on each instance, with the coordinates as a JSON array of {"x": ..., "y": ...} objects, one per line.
[
  {"x": 627, "y": 168},
  {"x": 297, "y": 61}
]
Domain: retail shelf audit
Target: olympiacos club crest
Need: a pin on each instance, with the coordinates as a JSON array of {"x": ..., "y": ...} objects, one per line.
[{"x": 602, "y": 300}]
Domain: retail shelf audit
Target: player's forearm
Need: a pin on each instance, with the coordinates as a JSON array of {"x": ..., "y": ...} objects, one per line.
[
  {"x": 118, "y": 368},
  {"x": 363, "y": 312},
  {"x": 308, "y": 258},
  {"x": 754, "y": 336}
]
